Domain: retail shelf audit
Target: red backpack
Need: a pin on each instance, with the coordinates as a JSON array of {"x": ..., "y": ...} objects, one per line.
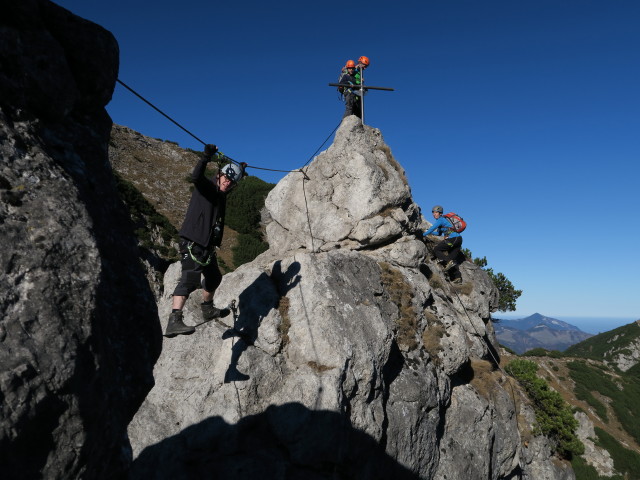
[{"x": 457, "y": 222}]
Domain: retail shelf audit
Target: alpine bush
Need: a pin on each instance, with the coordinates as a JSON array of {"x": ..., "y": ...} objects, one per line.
[
  {"x": 507, "y": 292},
  {"x": 554, "y": 417}
]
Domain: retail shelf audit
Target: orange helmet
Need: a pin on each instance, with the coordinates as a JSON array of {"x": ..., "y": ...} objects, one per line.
[
  {"x": 364, "y": 60},
  {"x": 350, "y": 64}
]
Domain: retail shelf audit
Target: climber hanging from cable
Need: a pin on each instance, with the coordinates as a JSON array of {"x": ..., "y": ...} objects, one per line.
[{"x": 200, "y": 234}]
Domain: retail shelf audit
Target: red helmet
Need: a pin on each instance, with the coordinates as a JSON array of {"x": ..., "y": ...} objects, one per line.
[
  {"x": 364, "y": 60},
  {"x": 350, "y": 64}
]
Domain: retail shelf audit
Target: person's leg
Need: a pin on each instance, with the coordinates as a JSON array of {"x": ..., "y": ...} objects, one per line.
[
  {"x": 357, "y": 107},
  {"x": 189, "y": 281},
  {"x": 441, "y": 251},
  {"x": 349, "y": 99},
  {"x": 210, "y": 282},
  {"x": 456, "y": 246}
]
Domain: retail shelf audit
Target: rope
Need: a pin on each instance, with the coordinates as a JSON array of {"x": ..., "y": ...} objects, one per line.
[
  {"x": 325, "y": 141},
  {"x": 489, "y": 347},
  {"x": 157, "y": 109},
  {"x": 204, "y": 143},
  {"x": 226, "y": 157}
]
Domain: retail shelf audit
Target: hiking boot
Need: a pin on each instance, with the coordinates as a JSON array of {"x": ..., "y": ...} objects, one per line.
[
  {"x": 457, "y": 281},
  {"x": 209, "y": 312},
  {"x": 449, "y": 265},
  {"x": 176, "y": 326}
]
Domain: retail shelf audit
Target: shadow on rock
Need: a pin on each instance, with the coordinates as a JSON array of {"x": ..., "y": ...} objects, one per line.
[
  {"x": 283, "y": 442},
  {"x": 254, "y": 303}
]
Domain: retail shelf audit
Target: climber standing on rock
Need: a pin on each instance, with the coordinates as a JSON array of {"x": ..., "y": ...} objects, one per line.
[
  {"x": 352, "y": 75},
  {"x": 200, "y": 234},
  {"x": 448, "y": 250}
]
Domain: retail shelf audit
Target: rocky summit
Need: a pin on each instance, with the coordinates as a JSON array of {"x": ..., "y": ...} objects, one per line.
[{"x": 347, "y": 353}]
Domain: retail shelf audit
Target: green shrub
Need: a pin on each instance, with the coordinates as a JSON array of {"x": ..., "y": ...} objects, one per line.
[
  {"x": 244, "y": 205},
  {"x": 553, "y": 415},
  {"x": 624, "y": 394},
  {"x": 248, "y": 248},
  {"x": 146, "y": 219},
  {"x": 542, "y": 352},
  {"x": 507, "y": 292},
  {"x": 601, "y": 345},
  {"x": 579, "y": 373},
  {"x": 624, "y": 460},
  {"x": 587, "y": 472}
]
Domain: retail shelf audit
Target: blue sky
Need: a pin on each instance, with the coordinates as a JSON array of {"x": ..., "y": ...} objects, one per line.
[{"x": 522, "y": 116}]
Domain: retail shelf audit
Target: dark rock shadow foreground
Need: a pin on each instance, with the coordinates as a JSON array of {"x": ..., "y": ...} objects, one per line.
[{"x": 284, "y": 442}]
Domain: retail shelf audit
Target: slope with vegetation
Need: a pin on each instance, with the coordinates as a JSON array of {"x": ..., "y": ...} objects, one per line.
[
  {"x": 154, "y": 180},
  {"x": 619, "y": 347},
  {"x": 610, "y": 397}
]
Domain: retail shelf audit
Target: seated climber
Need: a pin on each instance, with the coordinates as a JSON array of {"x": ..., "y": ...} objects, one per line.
[
  {"x": 200, "y": 234},
  {"x": 448, "y": 250}
]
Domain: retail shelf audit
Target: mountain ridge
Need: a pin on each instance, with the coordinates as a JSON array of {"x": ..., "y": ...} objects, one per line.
[{"x": 538, "y": 331}]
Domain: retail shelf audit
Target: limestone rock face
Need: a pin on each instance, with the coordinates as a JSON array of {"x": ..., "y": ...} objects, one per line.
[
  {"x": 627, "y": 354},
  {"x": 356, "y": 196},
  {"x": 348, "y": 353},
  {"x": 597, "y": 457},
  {"x": 78, "y": 323}
]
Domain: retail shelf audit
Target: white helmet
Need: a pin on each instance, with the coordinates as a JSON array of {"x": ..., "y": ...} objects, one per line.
[{"x": 232, "y": 171}]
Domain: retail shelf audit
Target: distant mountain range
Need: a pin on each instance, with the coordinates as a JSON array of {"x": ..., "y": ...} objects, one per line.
[{"x": 538, "y": 331}]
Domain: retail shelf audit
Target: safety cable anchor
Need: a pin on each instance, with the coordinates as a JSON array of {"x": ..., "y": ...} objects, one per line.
[{"x": 306, "y": 177}]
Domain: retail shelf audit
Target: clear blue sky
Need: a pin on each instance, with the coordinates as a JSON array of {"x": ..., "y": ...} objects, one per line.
[{"x": 522, "y": 116}]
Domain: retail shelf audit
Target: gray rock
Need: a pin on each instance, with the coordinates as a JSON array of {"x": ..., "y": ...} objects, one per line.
[
  {"x": 357, "y": 196},
  {"x": 78, "y": 324},
  {"x": 597, "y": 457},
  {"x": 349, "y": 355}
]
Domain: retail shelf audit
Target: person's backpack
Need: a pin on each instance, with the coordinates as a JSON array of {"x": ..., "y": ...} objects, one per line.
[
  {"x": 342, "y": 72},
  {"x": 457, "y": 222}
]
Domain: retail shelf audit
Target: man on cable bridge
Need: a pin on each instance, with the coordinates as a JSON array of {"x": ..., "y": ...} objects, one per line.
[{"x": 200, "y": 234}]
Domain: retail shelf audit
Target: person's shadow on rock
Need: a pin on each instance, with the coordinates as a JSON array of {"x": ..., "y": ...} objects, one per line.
[{"x": 255, "y": 303}]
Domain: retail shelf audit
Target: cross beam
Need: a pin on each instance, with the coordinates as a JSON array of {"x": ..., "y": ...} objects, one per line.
[{"x": 362, "y": 88}]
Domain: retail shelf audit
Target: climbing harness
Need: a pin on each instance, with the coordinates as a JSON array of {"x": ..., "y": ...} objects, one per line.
[
  {"x": 195, "y": 259},
  {"x": 489, "y": 346},
  {"x": 360, "y": 89}
]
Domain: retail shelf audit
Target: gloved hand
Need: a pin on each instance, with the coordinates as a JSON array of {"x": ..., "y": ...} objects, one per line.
[
  {"x": 244, "y": 168},
  {"x": 209, "y": 151}
]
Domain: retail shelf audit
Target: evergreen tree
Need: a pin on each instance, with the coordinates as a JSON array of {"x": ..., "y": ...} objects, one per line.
[
  {"x": 243, "y": 215},
  {"x": 508, "y": 293}
]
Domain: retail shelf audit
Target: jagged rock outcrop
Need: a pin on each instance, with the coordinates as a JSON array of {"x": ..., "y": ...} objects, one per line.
[
  {"x": 626, "y": 352},
  {"x": 348, "y": 353},
  {"x": 597, "y": 457},
  {"x": 78, "y": 324}
]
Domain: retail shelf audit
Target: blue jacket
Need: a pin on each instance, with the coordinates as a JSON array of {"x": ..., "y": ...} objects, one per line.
[{"x": 442, "y": 227}]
